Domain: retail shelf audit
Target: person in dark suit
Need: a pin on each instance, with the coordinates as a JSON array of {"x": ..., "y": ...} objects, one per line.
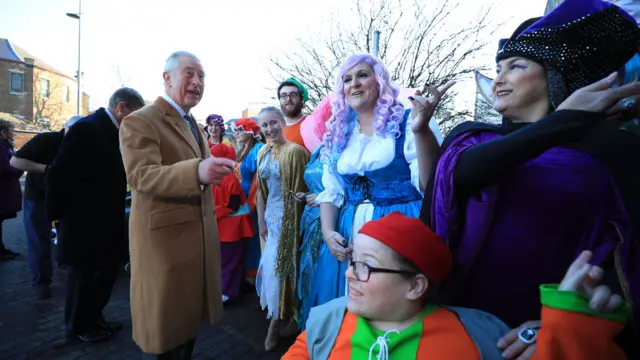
[
  {"x": 34, "y": 157},
  {"x": 85, "y": 191},
  {"x": 10, "y": 191}
]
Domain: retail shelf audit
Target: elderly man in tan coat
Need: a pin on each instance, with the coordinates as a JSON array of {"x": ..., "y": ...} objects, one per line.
[{"x": 175, "y": 253}]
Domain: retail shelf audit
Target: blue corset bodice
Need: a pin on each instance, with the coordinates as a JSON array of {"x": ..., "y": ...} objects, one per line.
[{"x": 389, "y": 185}]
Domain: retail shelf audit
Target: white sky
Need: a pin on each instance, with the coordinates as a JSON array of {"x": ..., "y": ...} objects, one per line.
[{"x": 233, "y": 39}]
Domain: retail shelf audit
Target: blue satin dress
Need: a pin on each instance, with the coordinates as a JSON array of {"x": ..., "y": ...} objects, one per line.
[
  {"x": 388, "y": 189},
  {"x": 311, "y": 233}
]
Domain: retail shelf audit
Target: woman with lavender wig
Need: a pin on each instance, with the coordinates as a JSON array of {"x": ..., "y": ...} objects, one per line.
[{"x": 377, "y": 160}]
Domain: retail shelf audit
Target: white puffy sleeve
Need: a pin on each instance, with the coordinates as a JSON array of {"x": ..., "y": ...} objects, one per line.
[
  {"x": 333, "y": 188},
  {"x": 410, "y": 149}
]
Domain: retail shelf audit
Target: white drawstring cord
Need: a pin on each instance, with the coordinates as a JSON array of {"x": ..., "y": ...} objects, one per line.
[{"x": 382, "y": 343}]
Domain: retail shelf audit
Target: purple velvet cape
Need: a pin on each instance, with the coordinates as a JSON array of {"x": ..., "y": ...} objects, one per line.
[{"x": 526, "y": 229}]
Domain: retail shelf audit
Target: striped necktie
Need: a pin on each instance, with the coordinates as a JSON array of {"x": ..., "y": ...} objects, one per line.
[{"x": 193, "y": 127}]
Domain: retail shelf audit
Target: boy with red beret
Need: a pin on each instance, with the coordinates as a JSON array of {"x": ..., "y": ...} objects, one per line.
[{"x": 396, "y": 264}]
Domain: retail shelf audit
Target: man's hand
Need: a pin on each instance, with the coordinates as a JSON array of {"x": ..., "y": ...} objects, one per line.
[{"x": 212, "y": 170}]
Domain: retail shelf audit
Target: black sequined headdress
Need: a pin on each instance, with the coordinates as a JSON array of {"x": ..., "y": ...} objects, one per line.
[
  {"x": 584, "y": 40},
  {"x": 504, "y": 53}
]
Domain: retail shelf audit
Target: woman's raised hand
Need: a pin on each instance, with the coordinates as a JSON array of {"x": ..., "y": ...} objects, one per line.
[
  {"x": 600, "y": 97},
  {"x": 585, "y": 278},
  {"x": 425, "y": 107}
]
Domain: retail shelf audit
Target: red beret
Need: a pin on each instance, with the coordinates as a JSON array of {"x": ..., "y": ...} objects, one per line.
[
  {"x": 249, "y": 126},
  {"x": 415, "y": 241},
  {"x": 223, "y": 151}
]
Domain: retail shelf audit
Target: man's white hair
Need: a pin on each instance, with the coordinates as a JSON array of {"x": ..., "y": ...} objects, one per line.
[
  {"x": 173, "y": 61},
  {"x": 72, "y": 120}
]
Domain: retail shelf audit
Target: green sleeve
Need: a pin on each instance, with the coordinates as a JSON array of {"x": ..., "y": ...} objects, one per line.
[{"x": 574, "y": 301}]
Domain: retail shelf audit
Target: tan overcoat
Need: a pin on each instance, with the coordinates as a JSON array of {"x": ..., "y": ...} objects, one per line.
[{"x": 173, "y": 234}]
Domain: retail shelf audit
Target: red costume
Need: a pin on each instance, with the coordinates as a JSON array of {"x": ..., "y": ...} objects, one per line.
[{"x": 232, "y": 211}]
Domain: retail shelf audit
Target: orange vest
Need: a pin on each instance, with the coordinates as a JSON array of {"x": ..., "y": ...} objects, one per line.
[{"x": 292, "y": 132}]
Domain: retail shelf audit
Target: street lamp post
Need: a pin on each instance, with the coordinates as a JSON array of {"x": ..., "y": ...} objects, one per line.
[
  {"x": 376, "y": 43},
  {"x": 78, "y": 17}
]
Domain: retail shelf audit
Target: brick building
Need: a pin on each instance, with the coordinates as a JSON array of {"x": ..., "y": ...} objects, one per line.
[
  {"x": 34, "y": 94},
  {"x": 250, "y": 112}
]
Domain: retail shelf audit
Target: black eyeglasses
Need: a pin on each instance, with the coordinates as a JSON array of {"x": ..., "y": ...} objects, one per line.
[
  {"x": 292, "y": 96},
  {"x": 362, "y": 271}
]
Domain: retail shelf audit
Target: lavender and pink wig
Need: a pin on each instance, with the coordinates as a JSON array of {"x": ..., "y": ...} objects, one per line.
[{"x": 388, "y": 113}]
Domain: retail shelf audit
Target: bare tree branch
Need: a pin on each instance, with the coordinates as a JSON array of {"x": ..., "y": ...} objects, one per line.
[
  {"x": 484, "y": 110},
  {"x": 48, "y": 99},
  {"x": 417, "y": 44},
  {"x": 123, "y": 79},
  {"x": 120, "y": 78}
]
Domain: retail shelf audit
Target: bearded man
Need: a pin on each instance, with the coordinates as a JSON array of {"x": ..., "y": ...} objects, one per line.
[{"x": 292, "y": 97}]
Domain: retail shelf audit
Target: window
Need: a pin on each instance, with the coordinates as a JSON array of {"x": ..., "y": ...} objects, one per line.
[
  {"x": 17, "y": 83},
  {"x": 44, "y": 89},
  {"x": 66, "y": 95}
]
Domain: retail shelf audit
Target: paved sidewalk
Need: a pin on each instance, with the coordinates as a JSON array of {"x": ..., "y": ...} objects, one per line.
[{"x": 32, "y": 329}]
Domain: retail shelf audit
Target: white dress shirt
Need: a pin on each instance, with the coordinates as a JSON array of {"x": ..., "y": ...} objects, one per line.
[
  {"x": 180, "y": 110},
  {"x": 113, "y": 118},
  {"x": 182, "y": 114}
]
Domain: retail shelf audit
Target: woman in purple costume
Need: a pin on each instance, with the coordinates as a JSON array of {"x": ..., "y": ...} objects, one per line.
[{"x": 518, "y": 202}]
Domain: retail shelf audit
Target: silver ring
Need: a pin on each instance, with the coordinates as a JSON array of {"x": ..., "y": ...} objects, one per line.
[
  {"x": 528, "y": 335},
  {"x": 628, "y": 103}
]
